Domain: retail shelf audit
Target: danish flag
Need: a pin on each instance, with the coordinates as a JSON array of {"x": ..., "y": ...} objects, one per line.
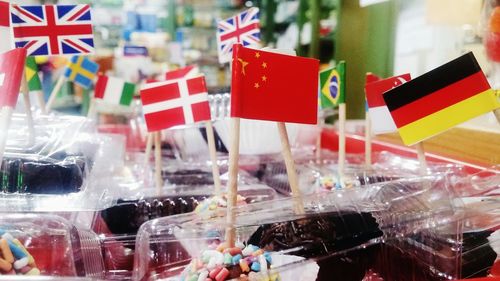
[
  {"x": 53, "y": 29},
  {"x": 172, "y": 103}
]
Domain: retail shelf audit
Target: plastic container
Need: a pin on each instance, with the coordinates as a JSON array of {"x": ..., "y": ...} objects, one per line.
[
  {"x": 358, "y": 218},
  {"x": 58, "y": 248},
  {"x": 132, "y": 211},
  {"x": 67, "y": 166},
  {"x": 323, "y": 176}
]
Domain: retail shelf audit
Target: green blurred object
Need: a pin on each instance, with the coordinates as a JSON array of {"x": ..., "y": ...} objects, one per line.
[
  {"x": 315, "y": 25},
  {"x": 365, "y": 40},
  {"x": 268, "y": 8}
]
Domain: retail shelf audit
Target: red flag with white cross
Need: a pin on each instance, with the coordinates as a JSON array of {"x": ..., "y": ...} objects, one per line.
[{"x": 172, "y": 103}]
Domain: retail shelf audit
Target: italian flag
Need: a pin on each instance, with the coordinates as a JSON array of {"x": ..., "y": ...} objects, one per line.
[{"x": 114, "y": 90}]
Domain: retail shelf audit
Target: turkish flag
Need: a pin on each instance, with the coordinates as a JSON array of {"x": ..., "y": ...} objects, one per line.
[
  {"x": 11, "y": 71},
  {"x": 172, "y": 103},
  {"x": 274, "y": 87}
]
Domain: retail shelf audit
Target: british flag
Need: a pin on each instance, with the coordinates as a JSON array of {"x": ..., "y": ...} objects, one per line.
[
  {"x": 53, "y": 29},
  {"x": 244, "y": 28}
]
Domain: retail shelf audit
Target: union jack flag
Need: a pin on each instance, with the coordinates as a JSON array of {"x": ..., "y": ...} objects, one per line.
[
  {"x": 244, "y": 28},
  {"x": 53, "y": 29}
]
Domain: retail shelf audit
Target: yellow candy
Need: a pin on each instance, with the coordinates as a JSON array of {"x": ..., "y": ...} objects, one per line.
[
  {"x": 33, "y": 271},
  {"x": 244, "y": 266},
  {"x": 258, "y": 253}
]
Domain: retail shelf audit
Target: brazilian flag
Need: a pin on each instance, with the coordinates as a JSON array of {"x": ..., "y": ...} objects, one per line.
[
  {"x": 34, "y": 83},
  {"x": 332, "y": 86}
]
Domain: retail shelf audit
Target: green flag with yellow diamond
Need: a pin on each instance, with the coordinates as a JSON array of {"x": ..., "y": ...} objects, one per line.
[
  {"x": 332, "y": 86},
  {"x": 34, "y": 83}
]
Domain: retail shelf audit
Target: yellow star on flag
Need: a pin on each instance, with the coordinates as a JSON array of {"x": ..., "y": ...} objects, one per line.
[{"x": 243, "y": 65}]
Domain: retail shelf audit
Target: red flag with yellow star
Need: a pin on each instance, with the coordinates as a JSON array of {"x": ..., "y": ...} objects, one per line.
[{"x": 274, "y": 87}]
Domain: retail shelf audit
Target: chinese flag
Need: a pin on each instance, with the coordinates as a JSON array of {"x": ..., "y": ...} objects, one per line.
[
  {"x": 11, "y": 72},
  {"x": 274, "y": 87}
]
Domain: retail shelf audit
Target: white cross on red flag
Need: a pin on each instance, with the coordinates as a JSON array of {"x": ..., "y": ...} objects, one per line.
[{"x": 173, "y": 103}]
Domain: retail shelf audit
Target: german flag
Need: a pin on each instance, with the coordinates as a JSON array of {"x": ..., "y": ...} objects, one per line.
[{"x": 440, "y": 99}]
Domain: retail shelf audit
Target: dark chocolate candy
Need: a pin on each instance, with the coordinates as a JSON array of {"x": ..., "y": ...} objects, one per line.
[
  {"x": 188, "y": 177},
  {"x": 42, "y": 176},
  {"x": 318, "y": 235},
  {"x": 322, "y": 236},
  {"x": 128, "y": 215}
]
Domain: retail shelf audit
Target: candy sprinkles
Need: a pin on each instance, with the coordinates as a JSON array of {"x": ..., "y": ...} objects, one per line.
[
  {"x": 249, "y": 263},
  {"x": 15, "y": 259}
]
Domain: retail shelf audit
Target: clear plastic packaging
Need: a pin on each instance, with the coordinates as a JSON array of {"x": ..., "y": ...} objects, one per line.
[
  {"x": 48, "y": 245},
  {"x": 130, "y": 212},
  {"x": 357, "y": 218},
  {"x": 68, "y": 166},
  {"x": 323, "y": 176}
]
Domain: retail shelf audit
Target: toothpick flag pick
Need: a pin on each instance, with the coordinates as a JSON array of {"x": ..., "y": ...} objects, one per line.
[
  {"x": 53, "y": 29},
  {"x": 172, "y": 103},
  {"x": 369, "y": 78},
  {"x": 11, "y": 72},
  {"x": 332, "y": 83},
  {"x": 80, "y": 70},
  {"x": 264, "y": 88},
  {"x": 379, "y": 113},
  {"x": 244, "y": 28},
  {"x": 440, "y": 99}
]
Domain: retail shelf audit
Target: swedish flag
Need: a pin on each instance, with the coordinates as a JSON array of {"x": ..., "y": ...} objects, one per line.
[{"x": 82, "y": 71}]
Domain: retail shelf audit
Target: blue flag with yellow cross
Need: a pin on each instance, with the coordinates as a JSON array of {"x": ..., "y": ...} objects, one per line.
[{"x": 81, "y": 71}]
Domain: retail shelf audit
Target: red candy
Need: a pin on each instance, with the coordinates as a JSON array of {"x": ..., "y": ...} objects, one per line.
[
  {"x": 222, "y": 275},
  {"x": 213, "y": 274}
]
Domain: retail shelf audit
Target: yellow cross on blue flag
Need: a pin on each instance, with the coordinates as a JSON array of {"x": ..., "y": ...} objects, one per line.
[{"x": 82, "y": 71}]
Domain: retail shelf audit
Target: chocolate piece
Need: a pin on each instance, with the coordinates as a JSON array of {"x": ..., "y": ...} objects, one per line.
[
  {"x": 42, "y": 176},
  {"x": 188, "y": 177},
  {"x": 318, "y": 235},
  {"x": 128, "y": 215}
]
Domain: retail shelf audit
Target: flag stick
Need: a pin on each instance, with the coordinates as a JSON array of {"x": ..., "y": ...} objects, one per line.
[
  {"x": 290, "y": 168},
  {"x": 342, "y": 113},
  {"x": 92, "y": 109},
  {"x": 29, "y": 115},
  {"x": 4, "y": 127},
  {"x": 149, "y": 146},
  {"x": 41, "y": 101},
  {"x": 421, "y": 158},
  {"x": 158, "y": 178},
  {"x": 497, "y": 113},
  {"x": 232, "y": 188},
  {"x": 54, "y": 92},
  {"x": 321, "y": 122},
  {"x": 368, "y": 140},
  {"x": 213, "y": 157}
]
